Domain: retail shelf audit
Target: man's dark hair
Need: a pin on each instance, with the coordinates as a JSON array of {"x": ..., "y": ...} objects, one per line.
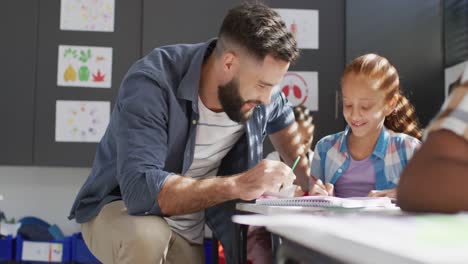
[{"x": 260, "y": 30}]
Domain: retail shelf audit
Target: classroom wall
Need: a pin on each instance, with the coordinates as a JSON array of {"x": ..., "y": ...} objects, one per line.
[
  {"x": 45, "y": 192},
  {"x": 48, "y": 192},
  {"x": 29, "y": 108},
  {"x": 410, "y": 35}
]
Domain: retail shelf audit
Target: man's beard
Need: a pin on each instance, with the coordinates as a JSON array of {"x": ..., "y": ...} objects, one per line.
[{"x": 232, "y": 102}]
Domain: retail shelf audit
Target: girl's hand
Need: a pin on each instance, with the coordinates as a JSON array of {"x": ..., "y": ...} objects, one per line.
[
  {"x": 322, "y": 189},
  {"x": 298, "y": 192},
  {"x": 390, "y": 193}
]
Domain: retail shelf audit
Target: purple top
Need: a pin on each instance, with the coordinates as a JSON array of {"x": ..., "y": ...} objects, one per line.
[{"x": 358, "y": 180}]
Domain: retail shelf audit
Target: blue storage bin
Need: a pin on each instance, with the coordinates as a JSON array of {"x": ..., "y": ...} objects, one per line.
[
  {"x": 80, "y": 252},
  {"x": 6, "y": 248},
  {"x": 208, "y": 251},
  {"x": 65, "y": 246}
]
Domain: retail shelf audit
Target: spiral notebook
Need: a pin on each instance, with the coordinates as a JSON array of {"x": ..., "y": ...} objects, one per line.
[{"x": 328, "y": 201}]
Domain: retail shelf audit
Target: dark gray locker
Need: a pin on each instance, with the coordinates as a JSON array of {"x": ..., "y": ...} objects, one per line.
[
  {"x": 409, "y": 34},
  {"x": 455, "y": 31}
]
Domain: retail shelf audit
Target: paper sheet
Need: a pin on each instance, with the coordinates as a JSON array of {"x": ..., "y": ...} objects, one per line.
[
  {"x": 301, "y": 88},
  {"x": 84, "y": 66},
  {"x": 304, "y": 24},
  {"x": 81, "y": 121},
  {"x": 452, "y": 74},
  {"x": 87, "y": 15}
]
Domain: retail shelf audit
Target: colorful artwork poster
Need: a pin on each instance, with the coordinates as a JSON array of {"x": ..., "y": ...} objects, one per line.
[
  {"x": 304, "y": 24},
  {"x": 84, "y": 66},
  {"x": 81, "y": 121},
  {"x": 301, "y": 88},
  {"x": 87, "y": 15}
]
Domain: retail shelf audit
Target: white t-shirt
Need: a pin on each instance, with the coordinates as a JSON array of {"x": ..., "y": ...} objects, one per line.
[{"x": 216, "y": 135}]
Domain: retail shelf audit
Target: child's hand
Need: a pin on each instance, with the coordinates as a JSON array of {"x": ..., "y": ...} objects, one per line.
[
  {"x": 320, "y": 189},
  {"x": 390, "y": 193},
  {"x": 298, "y": 192},
  {"x": 330, "y": 189}
]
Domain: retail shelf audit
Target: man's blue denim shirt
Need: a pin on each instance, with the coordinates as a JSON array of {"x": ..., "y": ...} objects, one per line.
[{"x": 151, "y": 136}]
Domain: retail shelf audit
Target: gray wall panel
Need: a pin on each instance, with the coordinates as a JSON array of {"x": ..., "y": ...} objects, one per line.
[
  {"x": 18, "y": 19},
  {"x": 409, "y": 34},
  {"x": 200, "y": 20},
  {"x": 126, "y": 44}
]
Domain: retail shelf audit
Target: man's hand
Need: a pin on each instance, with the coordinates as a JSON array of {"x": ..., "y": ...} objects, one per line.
[
  {"x": 322, "y": 189},
  {"x": 267, "y": 176},
  {"x": 390, "y": 193},
  {"x": 289, "y": 143}
]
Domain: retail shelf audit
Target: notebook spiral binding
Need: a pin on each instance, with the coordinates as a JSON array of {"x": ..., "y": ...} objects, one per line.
[{"x": 295, "y": 202}]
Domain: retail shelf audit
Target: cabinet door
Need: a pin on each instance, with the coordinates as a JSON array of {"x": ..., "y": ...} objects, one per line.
[
  {"x": 409, "y": 34},
  {"x": 125, "y": 42},
  {"x": 17, "y": 78}
]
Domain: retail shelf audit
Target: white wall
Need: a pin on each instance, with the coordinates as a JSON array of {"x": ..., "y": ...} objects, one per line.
[{"x": 44, "y": 192}]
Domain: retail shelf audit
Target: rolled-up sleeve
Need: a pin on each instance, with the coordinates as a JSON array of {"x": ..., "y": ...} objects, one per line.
[
  {"x": 141, "y": 143},
  {"x": 454, "y": 114},
  {"x": 280, "y": 114}
]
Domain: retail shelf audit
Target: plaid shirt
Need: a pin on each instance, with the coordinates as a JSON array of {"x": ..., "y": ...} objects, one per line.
[
  {"x": 454, "y": 114},
  {"x": 390, "y": 156}
]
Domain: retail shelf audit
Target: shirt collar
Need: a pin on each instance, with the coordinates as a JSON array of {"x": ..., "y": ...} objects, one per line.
[
  {"x": 380, "y": 148},
  {"x": 192, "y": 76},
  {"x": 382, "y": 143}
]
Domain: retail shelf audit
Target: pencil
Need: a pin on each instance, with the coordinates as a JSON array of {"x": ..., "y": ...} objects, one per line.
[{"x": 295, "y": 162}]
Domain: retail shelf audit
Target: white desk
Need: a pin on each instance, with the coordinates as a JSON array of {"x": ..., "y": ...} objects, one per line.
[{"x": 369, "y": 236}]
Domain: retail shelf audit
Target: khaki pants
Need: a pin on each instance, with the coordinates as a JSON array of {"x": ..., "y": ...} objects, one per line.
[{"x": 114, "y": 236}]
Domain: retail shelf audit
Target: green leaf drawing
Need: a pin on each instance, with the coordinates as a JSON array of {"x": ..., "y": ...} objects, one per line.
[
  {"x": 70, "y": 52},
  {"x": 67, "y": 51},
  {"x": 85, "y": 56}
]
